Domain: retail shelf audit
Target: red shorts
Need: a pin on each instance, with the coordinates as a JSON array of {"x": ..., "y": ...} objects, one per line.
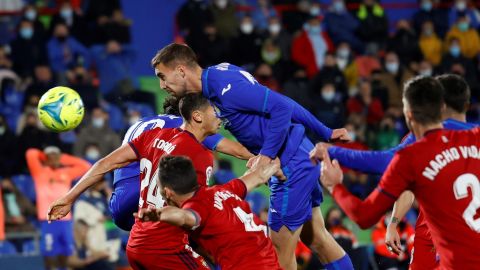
[
  {"x": 185, "y": 260},
  {"x": 424, "y": 255}
]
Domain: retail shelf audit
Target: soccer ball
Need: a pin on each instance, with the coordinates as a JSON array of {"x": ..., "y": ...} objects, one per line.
[{"x": 61, "y": 109}]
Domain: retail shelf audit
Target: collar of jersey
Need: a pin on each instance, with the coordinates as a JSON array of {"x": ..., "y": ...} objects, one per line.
[
  {"x": 205, "y": 90},
  {"x": 189, "y": 133},
  {"x": 432, "y": 131}
]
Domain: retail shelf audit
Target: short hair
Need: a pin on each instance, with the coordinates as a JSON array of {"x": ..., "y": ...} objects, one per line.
[
  {"x": 170, "y": 106},
  {"x": 175, "y": 53},
  {"x": 457, "y": 92},
  {"x": 178, "y": 174},
  {"x": 190, "y": 103},
  {"x": 425, "y": 95}
]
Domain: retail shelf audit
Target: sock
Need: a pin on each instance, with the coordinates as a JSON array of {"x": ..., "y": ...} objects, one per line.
[{"x": 343, "y": 263}]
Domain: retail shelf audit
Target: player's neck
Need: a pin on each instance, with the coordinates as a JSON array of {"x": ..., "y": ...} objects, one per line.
[
  {"x": 197, "y": 132},
  {"x": 194, "y": 84},
  {"x": 451, "y": 114},
  {"x": 181, "y": 199},
  {"x": 420, "y": 130}
]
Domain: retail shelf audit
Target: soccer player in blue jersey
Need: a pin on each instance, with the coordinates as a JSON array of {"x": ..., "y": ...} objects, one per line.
[
  {"x": 269, "y": 125},
  {"x": 124, "y": 200},
  {"x": 457, "y": 100}
]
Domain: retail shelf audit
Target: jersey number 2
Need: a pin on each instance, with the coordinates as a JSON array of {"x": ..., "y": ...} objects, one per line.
[
  {"x": 149, "y": 182},
  {"x": 460, "y": 187}
]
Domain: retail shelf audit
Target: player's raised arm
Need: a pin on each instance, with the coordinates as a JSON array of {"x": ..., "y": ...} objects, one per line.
[
  {"x": 234, "y": 149},
  {"x": 117, "y": 159},
  {"x": 260, "y": 174},
  {"x": 169, "y": 214}
]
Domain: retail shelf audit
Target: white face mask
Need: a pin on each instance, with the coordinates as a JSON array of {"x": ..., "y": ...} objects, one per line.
[
  {"x": 461, "y": 6},
  {"x": 132, "y": 120},
  {"x": 274, "y": 28},
  {"x": 342, "y": 63},
  {"x": 246, "y": 28},
  {"x": 98, "y": 122},
  {"x": 343, "y": 53},
  {"x": 221, "y": 4},
  {"x": 315, "y": 11},
  {"x": 328, "y": 96},
  {"x": 31, "y": 14},
  {"x": 392, "y": 67},
  {"x": 2, "y": 130},
  {"x": 352, "y": 91},
  {"x": 352, "y": 135},
  {"x": 92, "y": 154},
  {"x": 426, "y": 72}
]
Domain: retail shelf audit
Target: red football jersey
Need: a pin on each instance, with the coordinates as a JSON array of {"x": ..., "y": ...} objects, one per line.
[
  {"x": 150, "y": 146},
  {"x": 442, "y": 170},
  {"x": 228, "y": 230}
]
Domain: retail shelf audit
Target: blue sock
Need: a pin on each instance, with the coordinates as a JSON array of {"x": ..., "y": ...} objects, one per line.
[{"x": 343, "y": 263}]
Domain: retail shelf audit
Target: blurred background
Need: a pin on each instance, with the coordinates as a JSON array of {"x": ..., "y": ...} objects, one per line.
[{"x": 345, "y": 61}]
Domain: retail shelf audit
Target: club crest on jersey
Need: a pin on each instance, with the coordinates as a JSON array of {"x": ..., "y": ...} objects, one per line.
[{"x": 163, "y": 145}]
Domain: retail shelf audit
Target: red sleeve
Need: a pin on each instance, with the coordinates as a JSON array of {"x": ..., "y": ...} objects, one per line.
[
  {"x": 237, "y": 187},
  {"x": 199, "y": 210},
  {"x": 368, "y": 212}
]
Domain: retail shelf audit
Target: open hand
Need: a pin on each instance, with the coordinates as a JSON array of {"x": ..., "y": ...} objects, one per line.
[{"x": 331, "y": 173}]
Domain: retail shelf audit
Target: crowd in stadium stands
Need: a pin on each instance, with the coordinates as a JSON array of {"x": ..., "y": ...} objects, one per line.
[{"x": 344, "y": 61}]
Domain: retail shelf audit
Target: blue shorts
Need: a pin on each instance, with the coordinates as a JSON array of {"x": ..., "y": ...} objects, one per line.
[
  {"x": 291, "y": 202},
  {"x": 57, "y": 238},
  {"x": 124, "y": 202}
]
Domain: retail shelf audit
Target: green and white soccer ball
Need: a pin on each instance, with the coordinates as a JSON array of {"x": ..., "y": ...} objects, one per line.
[{"x": 61, "y": 109}]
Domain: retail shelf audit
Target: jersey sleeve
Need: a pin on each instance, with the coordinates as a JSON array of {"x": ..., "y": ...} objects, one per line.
[
  {"x": 199, "y": 210},
  {"x": 211, "y": 142},
  {"x": 243, "y": 93},
  {"x": 237, "y": 187},
  {"x": 304, "y": 117},
  {"x": 366, "y": 213}
]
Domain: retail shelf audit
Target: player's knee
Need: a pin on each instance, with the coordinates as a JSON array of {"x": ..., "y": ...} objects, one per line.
[{"x": 320, "y": 238}]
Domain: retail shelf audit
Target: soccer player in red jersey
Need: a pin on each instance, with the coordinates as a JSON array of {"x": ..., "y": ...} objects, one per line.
[
  {"x": 441, "y": 169},
  {"x": 217, "y": 218},
  {"x": 157, "y": 245}
]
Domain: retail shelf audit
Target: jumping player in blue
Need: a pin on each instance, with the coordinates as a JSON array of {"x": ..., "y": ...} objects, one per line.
[
  {"x": 269, "y": 125},
  {"x": 124, "y": 200},
  {"x": 457, "y": 101}
]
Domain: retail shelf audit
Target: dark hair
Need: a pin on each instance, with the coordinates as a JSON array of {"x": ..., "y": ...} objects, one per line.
[
  {"x": 457, "y": 92},
  {"x": 174, "y": 52},
  {"x": 425, "y": 94},
  {"x": 170, "y": 106},
  {"x": 190, "y": 103},
  {"x": 177, "y": 173}
]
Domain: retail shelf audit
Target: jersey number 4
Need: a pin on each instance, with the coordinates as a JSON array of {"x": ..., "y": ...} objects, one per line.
[
  {"x": 249, "y": 222},
  {"x": 460, "y": 187}
]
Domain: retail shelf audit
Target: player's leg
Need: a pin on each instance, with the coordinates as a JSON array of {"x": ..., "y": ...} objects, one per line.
[
  {"x": 285, "y": 242},
  {"x": 52, "y": 243},
  {"x": 124, "y": 202},
  {"x": 66, "y": 242}
]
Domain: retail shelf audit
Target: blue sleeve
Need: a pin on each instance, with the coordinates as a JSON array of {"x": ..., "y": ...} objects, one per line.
[
  {"x": 374, "y": 162},
  {"x": 304, "y": 117},
  {"x": 211, "y": 142},
  {"x": 247, "y": 95}
]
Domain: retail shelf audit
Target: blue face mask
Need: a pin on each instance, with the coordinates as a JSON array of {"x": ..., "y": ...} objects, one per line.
[
  {"x": 26, "y": 32},
  {"x": 338, "y": 7},
  {"x": 455, "y": 51},
  {"x": 427, "y": 6},
  {"x": 328, "y": 96},
  {"x": 463, "y": 26},
  {"x": 31, "y": 14},
  {"x": 66, "y": 13},
  {"x": 313, "y": 30}
]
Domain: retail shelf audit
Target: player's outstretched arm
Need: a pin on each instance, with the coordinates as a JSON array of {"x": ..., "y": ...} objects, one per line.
[
  {"x": 169, "y": 214},
  {"x": 400, "y": 209},
  {"x": 117, "y": 159},
  {"x": 234, "y": 149},
  {"x": 260, "y": 174}
]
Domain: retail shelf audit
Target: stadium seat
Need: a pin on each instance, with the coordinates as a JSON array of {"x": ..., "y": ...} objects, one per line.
[
  {"x": 29, "y": 247},
  {"x": 115, "y": 121},
  {"x": 7, "y": 248},
  {"x": 143, "y": 109},
  {"x": 25, "y": 184}
]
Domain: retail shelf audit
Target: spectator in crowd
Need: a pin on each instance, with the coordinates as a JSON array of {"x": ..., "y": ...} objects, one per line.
[
  {"x": 224, "y": 18},
  {"x": 42, "y": 81},
  {"x": 297, "y": 86},
  {"x": 28, "y": 50},
  {"x": 464, "y": 8},
  {"x": 279, "y": 36},
  {"x": 425, "y": 68},
  {"x": 331, "y": 73},
  {"x": 30, "y": 13},
  {"x": 92, "y": 153},
  {"x": 79, "y": 79},
  {"x": 271, "y": 54},
  {"x": 334, "y": 224},
  {"x": 53, "y": 173},
  {"x": 342, "y": 26},
  {"x": 8, "y": 149},
  {"x": 224, "y": 172},
  {"x": 245, "y": 48},
  {"x": 454, "y": 56},
  {"x": 387, "y": 137},
  {"x": 75, "y": 22},
  {"x": 468, "y": 37},
  {"x": 261, "y": 14},
  {"x": 405, "y": 44},
  {"x": 373, "y": 28},
  {"x": 83, "y": 257},
  {"x": 97, "y": 131},
  {"x": 212, "y": 49},
  {"x": 430, "y": 43},
  {"x": 384, "y": 258},
  {"x": 327, "y": 106},
  {"x": 430, "y": 12},
  {"x": 65, "y": 51},
  {"x": 365, "y": 104},
  {"x": 19, "y": 210},
  {"x": 295, "y": 19},
  {"x": 347, "y": 64},
  {"x": 264, "y": 75},
  {"x": 309, "y": 48},
  {"x": 116, "y": 27},
  {"x": 393, "y": 78},
  {"x": 95, "y": 9},
  {"x": 192, "y": 18}
]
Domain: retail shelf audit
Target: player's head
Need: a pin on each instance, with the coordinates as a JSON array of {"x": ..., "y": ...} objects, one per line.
[
  {"x": 457, "y": 92},
  {"x": 423, "y": 101},
  {"x": 198, "y": 112},
  {"x": 176, "y": 177},
  {"x": 170, "y": 106},
  {"x": 173, "y": 64},
  {"x": 53, "y": 154}
]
